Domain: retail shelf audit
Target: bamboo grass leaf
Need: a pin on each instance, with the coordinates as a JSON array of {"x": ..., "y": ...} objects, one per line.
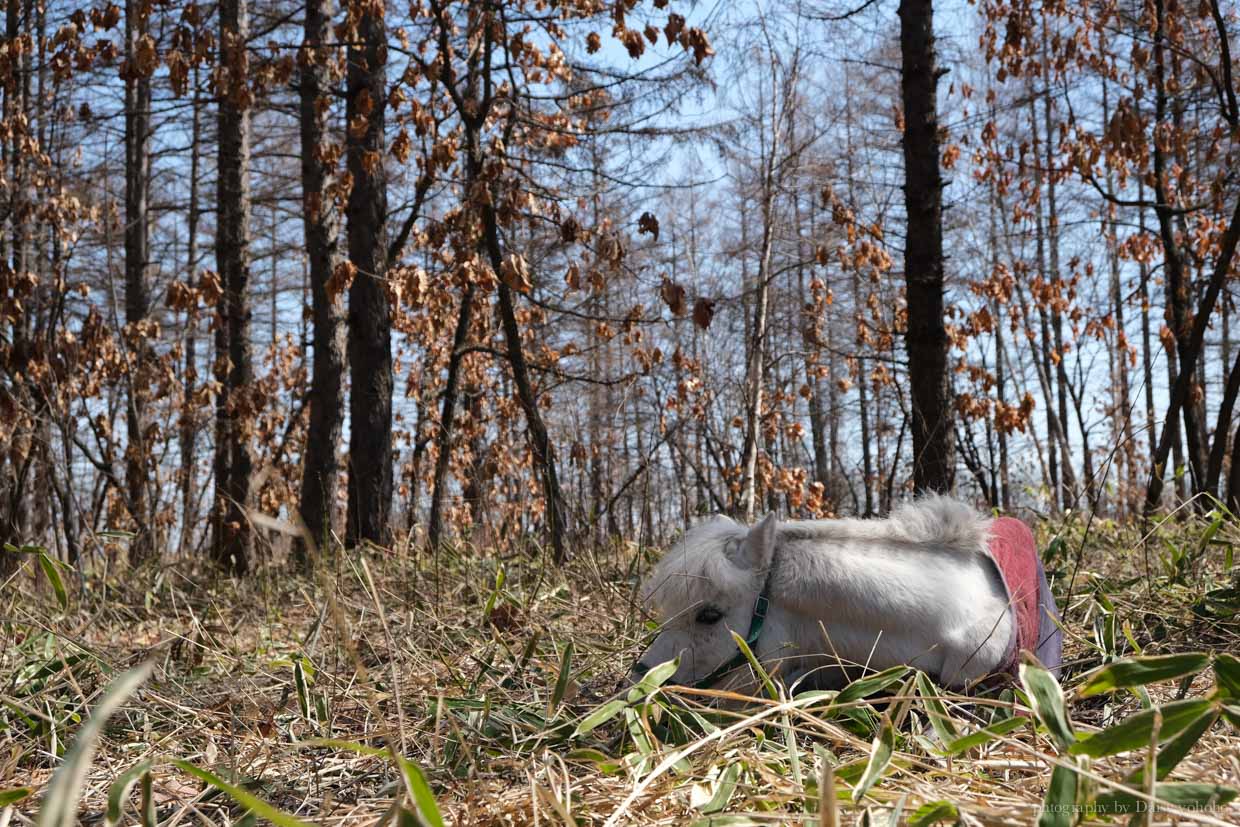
[
  {"x": 1143, "y": 670},
  {"x": 1191, "y": 796},
  {"x": 1059, "y": 806},
  {"x": 1135, "y": 732},
  {"x": 757, "y": 667},
  {"x": 600, "y": 716},
  {"x": 14, "y": 795},
  {"x": 561, "y": 681},
  {"x": 1175, "y": 750},
  {"x": 865, "y": 687},
  {"x": 936, "y": 711},
  {"x": 982, "y": 736},
  {"x": 119, "y": 791},
  {"x": 242, "y": 796},
  {"x": 52, "y": 573},
  {"x": 881, "y": 751},
  {"x": 1047, "y": 700},
  {"x": 60, "y": 801},
  {"x": 934, "y": 812},
  {"x": 1227, "y": 674},
  {"x": 724, "y": 788}
]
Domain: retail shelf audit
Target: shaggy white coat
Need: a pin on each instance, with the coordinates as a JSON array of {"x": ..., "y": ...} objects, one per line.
[{"x": 916, "y": 588}]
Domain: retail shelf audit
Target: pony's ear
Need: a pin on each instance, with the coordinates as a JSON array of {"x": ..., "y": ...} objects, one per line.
[{"x": 759, "y": 545}]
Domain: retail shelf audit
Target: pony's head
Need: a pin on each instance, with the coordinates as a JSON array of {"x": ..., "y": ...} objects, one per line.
[{"x": 703, "y": 589}]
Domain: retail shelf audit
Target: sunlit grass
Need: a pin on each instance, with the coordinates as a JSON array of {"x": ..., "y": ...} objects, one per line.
[{"x": 492, "y": 694}]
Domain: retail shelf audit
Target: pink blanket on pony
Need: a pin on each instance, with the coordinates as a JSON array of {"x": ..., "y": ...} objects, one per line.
[{"x": 1036, "y": 616}]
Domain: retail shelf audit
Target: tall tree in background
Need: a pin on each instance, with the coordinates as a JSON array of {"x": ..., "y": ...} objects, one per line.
[
  {"x": 13, "y": 472},
  {"x": 1188, "y": 325},
  {"x": 777, "y": 106},
  {"x": 370, "y": 315},
  {"x": 233, "y": 542},
  {"x": 926, "y": 336},
  {"x": 190, "y": 417},
  {"x": 322, "y": 228},
  {"x": 140, "y": 60}
]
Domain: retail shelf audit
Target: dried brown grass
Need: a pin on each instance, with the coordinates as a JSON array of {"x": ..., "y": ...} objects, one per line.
[{"x": 458, "y": 677}]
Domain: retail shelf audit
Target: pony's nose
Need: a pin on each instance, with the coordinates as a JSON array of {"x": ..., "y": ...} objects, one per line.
[{"x": 640, "y": 669}]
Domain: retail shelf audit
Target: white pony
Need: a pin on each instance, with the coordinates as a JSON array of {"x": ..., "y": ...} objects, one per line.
[{"x": 821, "y": 600}]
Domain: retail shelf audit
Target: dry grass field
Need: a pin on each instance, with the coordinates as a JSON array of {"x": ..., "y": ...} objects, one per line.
[{"x": 477, "y": 691}]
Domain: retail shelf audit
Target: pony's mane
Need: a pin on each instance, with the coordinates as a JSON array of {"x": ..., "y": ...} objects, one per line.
[
  {"x": 933, "y": 520},
  {"x": 699, "y": 568}
]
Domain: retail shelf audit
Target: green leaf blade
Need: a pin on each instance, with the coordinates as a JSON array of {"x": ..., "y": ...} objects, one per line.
[
  {"x": 52, "y": 573},
  {"x": 242, "y": 796},
  {"x": 1143, "y": 670},
  {"x": 1059, "y": 806},
  {"x": 119, "y": 791},
  {"x": 1135, "y": 732},
  {"x": 60, "y": 802},
  {"x": 1046, "y": 696},
  {"x": 880, "y": 756}
]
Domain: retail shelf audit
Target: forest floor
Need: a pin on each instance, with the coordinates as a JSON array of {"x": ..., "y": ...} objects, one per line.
[{"x": 498, "y": 682}]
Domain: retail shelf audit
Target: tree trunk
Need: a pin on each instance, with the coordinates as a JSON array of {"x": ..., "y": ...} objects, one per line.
[
  {"x": 996, "y": 309},
  {"x": 1062, "y": 383},
  {"x": 1233, "y": 476},
  {"x": 540, "y": 441},
  {"x": 370, "y": 316},
  {"x": 234, "y": 538},
  {"x": 1147, "y": 354},
  {"x": 867, "y": 459},
  {"x": 1192, "y": 349},
  {"x": 1124, "y": 406},
  {"x": 321, "y": 225},
  {"x": 757, "y": 337},
  {"x": 926, "y": 337},
  {"x": 189, "y": 419},
  {"x": 1050, "y": 369},
  {"x": 1177, "y": 433},
  {"x": 1179, "y": 288},
  {"x": 1222, "y": 427},
  {"x": 137, "y": 255},
  {"x": 447, "y": 419},
  {"x": 1124, "y": 409}
]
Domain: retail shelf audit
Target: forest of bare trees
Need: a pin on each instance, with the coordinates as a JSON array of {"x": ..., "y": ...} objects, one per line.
[{"x": 490, "y": 272}]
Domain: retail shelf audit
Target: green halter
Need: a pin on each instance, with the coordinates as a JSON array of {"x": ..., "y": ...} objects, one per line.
[{"x": 760, "y": 607}]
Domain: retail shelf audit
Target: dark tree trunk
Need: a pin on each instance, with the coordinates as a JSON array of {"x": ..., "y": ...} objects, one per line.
[
  {"x": 1233, "y": 476},
  {"x": 926, "y": 337},
  {"x": 234, "y": 539},
  {"x": 1192, "y": 350},
  {"x": 370, "y": 316},
  {"x": 10, "y": 483},
  {"x": 1218, "y": 450},
  {"x": 1177, "y": 434},
  {"x": 1050, "y": 374},
  {"x": 321, "y": 224},
  {"x": 447, "y": 419},
  {"x": 189, "y": 419},
  {"x": 1147, "y": 355},
  {"x": 137, "y": 255},
  {"x": 1124, "y": 405},
  {"x": 540, "y": 440},
  {"x": 1182, "y": 323}
]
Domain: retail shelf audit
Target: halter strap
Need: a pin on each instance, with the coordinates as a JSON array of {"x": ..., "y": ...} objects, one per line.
[{"x": 760, "y": 607}]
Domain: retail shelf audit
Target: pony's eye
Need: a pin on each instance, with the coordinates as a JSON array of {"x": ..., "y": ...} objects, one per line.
[{"x": 709, "y": 615}]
